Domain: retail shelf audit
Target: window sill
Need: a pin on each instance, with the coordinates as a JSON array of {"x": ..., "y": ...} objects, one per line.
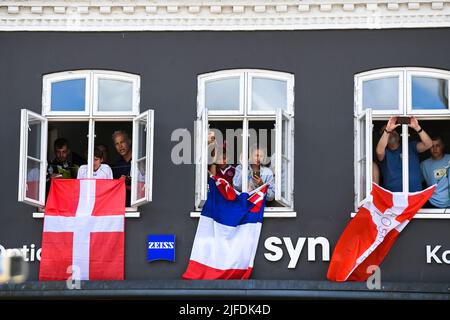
[
  {"x": 267, "y": 214},
  {"x": 428, "y": 214},
  {"x": 129, "y": 213}
]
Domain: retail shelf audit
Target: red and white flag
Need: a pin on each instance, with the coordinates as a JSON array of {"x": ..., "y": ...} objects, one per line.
[
  {"x": 84, "y": 227},
  {"x": 372, "y": 232},
  {"x": 225, "y": 188}
]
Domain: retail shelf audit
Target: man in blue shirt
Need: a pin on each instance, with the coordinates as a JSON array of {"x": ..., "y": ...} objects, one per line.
[
  {"x": 435, "y": 170},
  {"x": 389, "y": 153}
]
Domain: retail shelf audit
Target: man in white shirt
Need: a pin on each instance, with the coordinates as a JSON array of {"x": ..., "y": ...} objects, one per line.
[{"x": 101, "y": 170}]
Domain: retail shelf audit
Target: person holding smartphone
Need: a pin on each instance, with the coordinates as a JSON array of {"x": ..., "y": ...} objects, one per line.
[
  {"x": 389, "y": 153},
  {"x": 258, "y": 174}
]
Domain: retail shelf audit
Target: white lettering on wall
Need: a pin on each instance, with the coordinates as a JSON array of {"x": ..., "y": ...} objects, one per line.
[{"x": 274, "y": 246}]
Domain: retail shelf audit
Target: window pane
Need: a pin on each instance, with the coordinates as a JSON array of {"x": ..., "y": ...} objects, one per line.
[
  {"x": 142, "y": 143},
  {"x": 34, "y": 139},
  {"x": 429, "y": 93},
  {"x": 33, "y": 174},
  {"x": 141, "y": 165},
  {"x": 68, "y": 95},
  {"x": 115, "y": 95},
  {"x": 222, "y": 94},
  {"x": 381, "y": 94},
  {"x": 268, "y": 94}
]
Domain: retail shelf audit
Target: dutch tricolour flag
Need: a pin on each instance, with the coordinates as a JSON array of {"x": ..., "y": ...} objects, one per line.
[{"x": 227, "y": 234}]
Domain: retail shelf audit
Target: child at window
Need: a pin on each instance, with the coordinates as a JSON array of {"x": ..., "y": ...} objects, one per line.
[{"x": 101, "y": 170}]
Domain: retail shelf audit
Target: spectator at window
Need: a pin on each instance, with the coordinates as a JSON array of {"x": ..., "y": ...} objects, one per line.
[
  {"x": 257, "y": 173},
  {"x": 389, "y": 153},
  {"x": 221, "y": 168},
  {"x": 66, "y": 163},
  {"x": 435, "y": 170},
  {"x": 103, "y": 148},
  {"x": 101, "y": 170},
  {"x": 122, "y": 168}
]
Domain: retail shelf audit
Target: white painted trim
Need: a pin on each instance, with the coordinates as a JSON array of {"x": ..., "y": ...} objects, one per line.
[
  {"x": 190, "y": 15},
  {"x": 267, "y": 214}
]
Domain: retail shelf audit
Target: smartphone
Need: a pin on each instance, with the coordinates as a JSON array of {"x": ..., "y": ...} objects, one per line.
[
  {"x": 403, "y": 120},
  {"x": 256, "y": 174}
]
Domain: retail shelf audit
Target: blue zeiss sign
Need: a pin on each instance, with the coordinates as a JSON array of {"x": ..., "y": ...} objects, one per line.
[{"x": 161, "y": 247}]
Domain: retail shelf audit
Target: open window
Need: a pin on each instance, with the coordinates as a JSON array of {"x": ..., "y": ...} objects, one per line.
[
  {"x": 381, "y": 94},
  {"x": 257, "y": 106},
  {"x": 201, "y": 158},
  {"x": 284, "y": 184},
  {"x": 142, "y": 166},
  {"x": 86, "y": 107},
  {"x": 33, "y": 158},
  {"x": 363, "y": 157}
]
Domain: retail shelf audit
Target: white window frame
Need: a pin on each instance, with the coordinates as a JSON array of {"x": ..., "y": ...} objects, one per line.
[
  {"x": 149, "y": 119},
  {"x": 24, "y": 125},
  {"x": 368, "y": 126},
  {"x": 383, "y": 115},
  {"x": 375, "y": 75},
  {"x": 279, "y": 157},
  {"x": 201, "y": 132},
  {"x": 91, "y": 92},
  {"x": 427, "y": 73},
  {"x": 271, "y": 75},
  {"x": 47, "y": 82},
  {"x": 220, "y": 75},
  {"x": 91, "y": 116},
  {"x": 134, "y": 79},
  {"x": 201, "y": 156}
]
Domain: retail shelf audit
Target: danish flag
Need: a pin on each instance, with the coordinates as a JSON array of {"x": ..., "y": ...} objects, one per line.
[
  {"x": 83, "y": 235},
  {"x": 372, "y": 232}
]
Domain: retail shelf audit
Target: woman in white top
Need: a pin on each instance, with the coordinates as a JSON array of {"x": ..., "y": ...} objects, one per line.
[{"x": 101, "y": 170}]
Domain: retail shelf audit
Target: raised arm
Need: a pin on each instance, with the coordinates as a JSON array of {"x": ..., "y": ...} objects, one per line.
[
  {"x": 382, "y": 143},
  {"x": 425, "y": 140}
]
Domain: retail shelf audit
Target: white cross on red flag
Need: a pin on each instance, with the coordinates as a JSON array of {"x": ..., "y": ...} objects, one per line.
[
  {"x": 370, "y": 235},
  {"x": 84, "y": 227}
]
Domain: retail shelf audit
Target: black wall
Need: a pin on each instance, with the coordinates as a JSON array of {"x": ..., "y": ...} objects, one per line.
[{"x": 324, "y": 64}]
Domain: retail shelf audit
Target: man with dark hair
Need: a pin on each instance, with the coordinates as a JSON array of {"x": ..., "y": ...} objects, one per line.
[
  {"x": 435, "y": 170},
  {"x": 66, "y": 163}
]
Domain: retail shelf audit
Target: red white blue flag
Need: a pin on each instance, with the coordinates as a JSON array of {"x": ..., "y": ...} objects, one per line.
[
  {"x": 369, "y": 236},
  {"x": 84, "y": 227},
  {"x": 227, "y": 234}
]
